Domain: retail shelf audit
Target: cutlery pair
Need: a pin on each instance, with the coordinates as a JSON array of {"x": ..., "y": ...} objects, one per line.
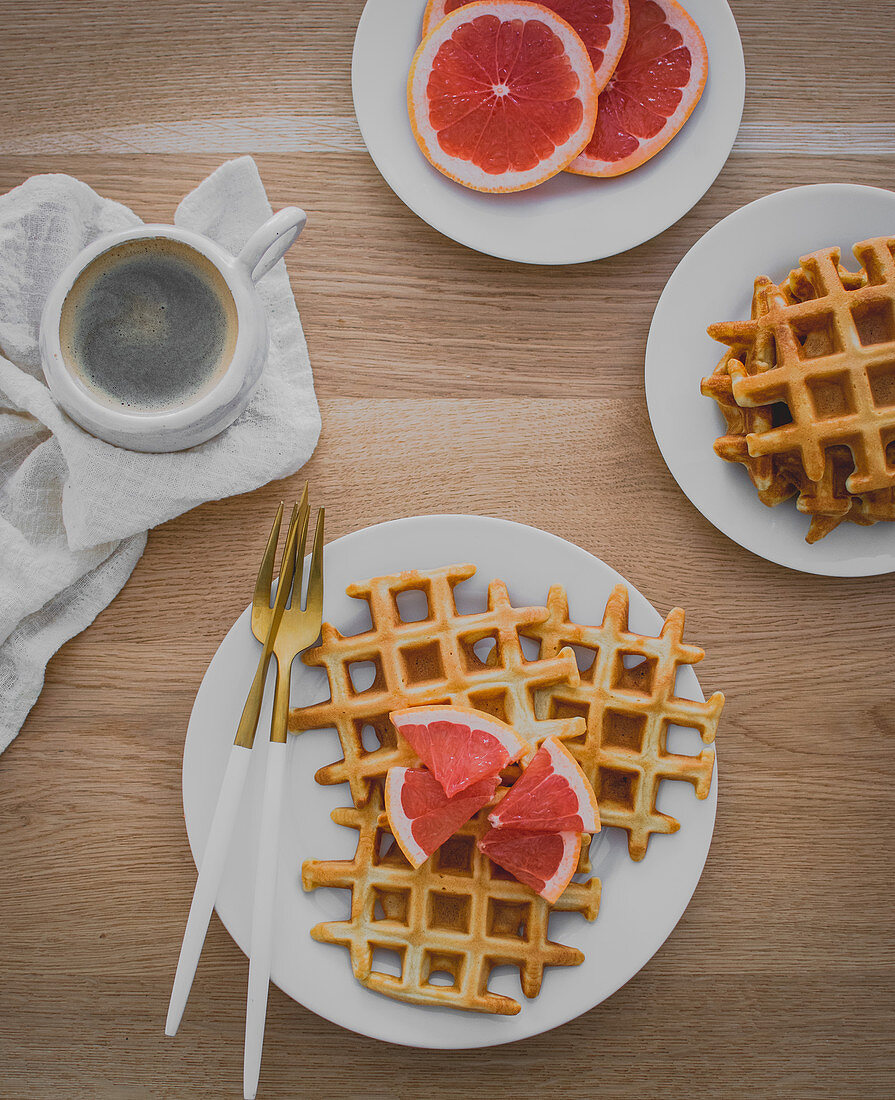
[{"x": 284, "y": 632}]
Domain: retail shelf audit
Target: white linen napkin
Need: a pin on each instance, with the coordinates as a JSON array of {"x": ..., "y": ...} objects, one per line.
[{"x": 74, "y": 510}]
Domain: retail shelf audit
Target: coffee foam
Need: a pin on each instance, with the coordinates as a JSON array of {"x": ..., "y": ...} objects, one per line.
[{"x": 149, "y": 326}]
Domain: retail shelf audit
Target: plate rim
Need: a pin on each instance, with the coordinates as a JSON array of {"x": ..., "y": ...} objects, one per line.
[
  {"x": 843, "y": 569},
  {"x": 734, "y": 82},
  {"x": 483, "y": 1040}
]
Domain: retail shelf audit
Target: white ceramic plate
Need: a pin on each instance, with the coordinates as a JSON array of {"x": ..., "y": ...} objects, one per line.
[
  {"x": 713, "y": 282},
  {"x": 641, "y": 903},
  {"x": 568, "y": 219}
]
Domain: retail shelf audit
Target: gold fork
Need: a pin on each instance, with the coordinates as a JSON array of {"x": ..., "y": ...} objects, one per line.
[
  {"x": 265, "y": 622},
  {"x": 298, "y": 629}
]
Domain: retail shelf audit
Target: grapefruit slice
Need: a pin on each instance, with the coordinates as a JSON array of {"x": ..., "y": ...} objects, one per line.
[
  {"x": 602, "y": 25},
  {"x": 552, "y": 795},
  {"x": 543, "y": 861},
  {"x": 420, "y": 814},
  {"x": 501, "y": 95},
  {"x": 458, "y": 745},
  {"x": 656, "y": 84}
]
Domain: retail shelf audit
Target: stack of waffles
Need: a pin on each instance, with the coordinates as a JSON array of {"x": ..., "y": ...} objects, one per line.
[
  {"x": 457, "y": 917},
  {"x": 807, "y": 388}
]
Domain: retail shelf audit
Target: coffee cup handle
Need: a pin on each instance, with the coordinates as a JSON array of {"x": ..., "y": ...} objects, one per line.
[{"x": 270, "y": 243}]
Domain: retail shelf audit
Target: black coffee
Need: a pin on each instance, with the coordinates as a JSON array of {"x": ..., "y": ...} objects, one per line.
[{"x": 149, "y": 325}]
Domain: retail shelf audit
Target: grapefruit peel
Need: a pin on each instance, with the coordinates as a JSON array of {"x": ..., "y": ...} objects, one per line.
[
  {"x": 638, "y": 117},
  {"x": 457, "y": 744},
  {"x": 537, "y": 827},
  {"x": 543, "y": 861},
  {"x": 495, "y": 129},
  {"x": 421, "y": 817},
  {"x": 552, "y": 795},
  {"x": 585, "y": 17}
]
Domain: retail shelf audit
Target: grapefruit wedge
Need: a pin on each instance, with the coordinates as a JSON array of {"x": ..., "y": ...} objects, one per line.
[
  {"x": 543, "y": 861},
  {"x": 552, "y": 795},
  {"x": 501, "y": 95},
  {"x": 420, "y": 814},
  {"x": 658, "y": 81},
  {"x": 602, "y": 25},
  {"x": 458, "y": 745}
]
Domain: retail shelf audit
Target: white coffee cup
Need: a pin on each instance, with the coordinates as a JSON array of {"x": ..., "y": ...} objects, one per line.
[{"x": 174, "y": 429}]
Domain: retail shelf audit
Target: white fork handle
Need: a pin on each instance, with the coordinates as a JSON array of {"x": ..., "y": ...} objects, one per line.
[
  {"x": 210, "y": 871},
  {"x": 262, "y": 917}
]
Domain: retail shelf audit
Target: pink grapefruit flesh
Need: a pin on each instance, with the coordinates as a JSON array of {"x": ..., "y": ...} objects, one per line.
[
  {"x": 552, "y": 795},
  {"x": 602, "y": 25},
  {"x": 657, "y": 83},
  {"x": 543, "y": 861},
  {"x": 501, "y": 95},
  {"x": 420, "y": 814},
  {"x": 458, "y": 745}
]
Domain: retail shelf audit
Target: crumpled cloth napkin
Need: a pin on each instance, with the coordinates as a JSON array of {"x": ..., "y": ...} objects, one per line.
[{"x": 74, "y": 511}]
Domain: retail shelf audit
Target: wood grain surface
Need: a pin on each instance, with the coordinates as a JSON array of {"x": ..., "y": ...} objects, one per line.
[{"x": 448, "y": 382}]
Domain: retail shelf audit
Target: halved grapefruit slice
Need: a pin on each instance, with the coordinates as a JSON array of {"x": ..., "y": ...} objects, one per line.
[
  {"x": 552, "y": 795},
  {"x": 420, "y": 814},
  {"x": 458, "y": 745},
  {"x": 501, "y": 95},
  {"x": 543, "y": 861},
  {"x": 658, "y": 81},
  {"x": 602, "y": 25}
]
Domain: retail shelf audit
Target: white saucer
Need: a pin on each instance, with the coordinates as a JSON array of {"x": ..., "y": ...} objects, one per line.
[
  {"x": 713, "y": 282},
  {"x": 641, "y": 903},
  {"x": 568, "y": 219}
]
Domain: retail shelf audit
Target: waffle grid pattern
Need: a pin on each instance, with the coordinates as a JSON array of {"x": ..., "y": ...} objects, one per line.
[
  {"x": 827, "y": 350},
  {"x": 627, "y": 711},
  {"x": 458, "y": 916},
  {"x": 779, "y": 476},
  {"x": 429, "y": 661},
  {"x": 772, "y": 475}
]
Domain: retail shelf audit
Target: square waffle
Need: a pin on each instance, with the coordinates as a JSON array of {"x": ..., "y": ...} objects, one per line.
[
  {"x": 453, "y": 920},
  {"x": 429, "y": 661},
  {"x": 627, "y": 709},
  {"x": 807, "y": 388},
  {"x": 458, "y": 916},
  {"x": 830, "y": 358}
]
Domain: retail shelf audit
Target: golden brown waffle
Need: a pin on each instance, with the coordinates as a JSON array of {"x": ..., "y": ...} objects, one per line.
[
  {"x": 627, "y": 711},
  {"x": 829, "y": 357},
  {"x": 829, "y": 502},
  {"x": 429, "y": 661},
  {"x": 457, "y": 915},
  {"x": 774, "y": 476},
  {"x": 780, "y": 475}
]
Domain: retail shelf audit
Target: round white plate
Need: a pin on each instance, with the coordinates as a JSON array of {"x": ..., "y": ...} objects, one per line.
[
  {"x": 713, "y": 282},
  {"x": 568, "y": 219},
  {"x": 641, "y": 902}
]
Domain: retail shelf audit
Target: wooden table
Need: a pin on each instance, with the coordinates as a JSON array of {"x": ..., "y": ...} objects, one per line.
[{"x": 448, "y": 382}]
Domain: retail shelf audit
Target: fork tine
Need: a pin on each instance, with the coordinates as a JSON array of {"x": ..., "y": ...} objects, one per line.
[
  {"x": 315, "y": 578},
  {"x": 304, "y": 515},
  {"x": 287, "y": 564},
  {"x": 265, "y": 573}
]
